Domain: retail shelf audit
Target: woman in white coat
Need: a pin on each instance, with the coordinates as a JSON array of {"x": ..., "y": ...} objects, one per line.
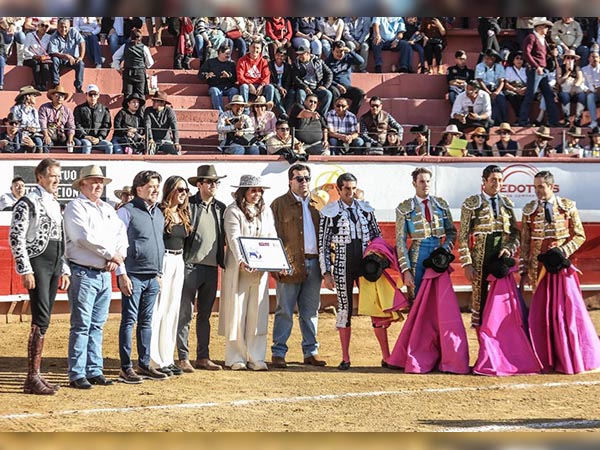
[{"x": 244, "y": 306}]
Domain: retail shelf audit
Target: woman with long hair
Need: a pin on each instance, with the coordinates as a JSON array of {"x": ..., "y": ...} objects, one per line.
[
  {"x": 175, "y": 207},
  {"x": 244, "y": 307}
]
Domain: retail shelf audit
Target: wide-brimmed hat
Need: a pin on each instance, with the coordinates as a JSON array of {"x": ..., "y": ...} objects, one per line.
[
  {"x": 452, "y": 129},
  {"x": 575, "y": 132},
  {"x": 248, "y": 181},
  {"x": 236, "y": 100},
  {"x": 504, "y": 126},
  {"x": 544, "y": 132},
  {"x": 125, "y": 190},
  {"x": 479, "y": 130},
  {"x": 205, "y": 172},
  {"x": 537, "y": 21},
  {"x": 161, "y": 96},
  {"x": 12, "y": 117},
  {"x": 500, "y": 267},
  {"x": 554, "y": 260},
  {"x": 93, "y": 171},
  {"x": 594, "y": 131},
  {"x": 58, "y": 89},
  {"x": 372, "y": 266},
  {"x": 571, "y": 54},
  {"x": 493, "y": 54},
  {"x": 439, "y": 260},
  {"x": 134, "y": 96},
  {"x": 27, "y": 90},
  {"x": 261, "y": 100},
  {"x": 419, "y": 129}
]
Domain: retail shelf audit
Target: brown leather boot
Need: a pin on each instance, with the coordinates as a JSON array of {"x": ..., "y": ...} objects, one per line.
[{"x": 35, "y": 383}]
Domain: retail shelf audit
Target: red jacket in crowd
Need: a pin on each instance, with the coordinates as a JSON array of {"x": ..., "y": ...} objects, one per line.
[
  {"x": 253, "y": 71},
  {"x": 279, "y": 28}
]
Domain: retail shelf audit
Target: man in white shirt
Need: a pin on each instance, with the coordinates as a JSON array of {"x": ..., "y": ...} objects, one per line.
[
  {"x": 96, "y": 245},
  {"x": 591, "y": 78},
  {"x": 472, "y": 108},
  {"x": 17, "y": 190}
]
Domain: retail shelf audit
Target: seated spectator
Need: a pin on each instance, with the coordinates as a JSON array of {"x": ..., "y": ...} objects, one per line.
[
  {"x": 161, "y": 126},
  {"x": 6, "y": 38},
  {"x": 255, "y": 31},
  {"x": 374, "y": 126},
  {"x": 340, "y": 61},
  {"x": 472, "y": 108},
  {"x": 515, "y": 83},
  {"x": 11, "y": 138},
  {"x": 281, "y": 80},
  {"x": 36, "y": 55},
  {"x": 357, "y": 31},
  {"x": 124, "y": 195},
  {"x": 220, "y": 74},
  {"x": 415, "y": 38},
  {"x": 67, "y": 49},
  {"x": 552, "y": 66},
  {"x": 434, "y": 41},
  {"x": 283, "y": 143},
  {"x": 566, "y": 33},
  {"x": 571, "y": 85},
  {"x": 344, "y": 136},
  {"x": 236, "y": 131},
  {"x": 593, "y": 150},
  {"x": 591, "y": 39},
  {"x": 131, "y": 60},
  {"x": 540, "y": 146},
  {"x": 31, "y": 23},
  {"x": 309, "y": 126},
  {"x": 591, "y": 77},
  {"x": 490, "y": 74},
  {"x": 118, "y": 30},
  {"x": 92, "y": 123},
  {"x": 387, "y": 35},
  {"x": 208, "y": 37},
  {"x": 572, "y": 145},
  {"x": 253, "y": 74},
  {"x": 26, "y": 113},
  {"x": 443, "y": 146},
  {"x": 234, "y": 28},
  {"x": 263, "y": 120},
  {"x": 129, "y": 134},
  {"x": 478, "y": 145},
  {"x": 393, "y": 144},
  {"x": 56, "y": 120},
  {"x": 279, "y": 34},
  {"x": 89, "y": 28},
  {"x": 506, "y": 146},
  {"x": 307, "y": 34},
  {"x": 312, "y": 75},
  {"x": 418, "y": 146},
  {"x": 332, "y": 30},
  {"x": 458, "y": 76},
  {"x": 17, "y": 190}
]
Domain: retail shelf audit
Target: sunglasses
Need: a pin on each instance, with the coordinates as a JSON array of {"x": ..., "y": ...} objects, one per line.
[
  {"x": 14, "y": 124},
  {"x": 215, "y": 182},
  {"x": 45, "y": 25},
  {"x": 479, "y": 136},
  {"x": 376, "y": 105},
  {"x": 93, "y": 94},
  {"x": 300, "y": 179},
  {"x": 284, "y": 128},
  {"x": 181, "y": 190},
  {"x": 341, "y": 106},
  {"x": 505, "y": 132},
  {"x": 260, "y": 106}
]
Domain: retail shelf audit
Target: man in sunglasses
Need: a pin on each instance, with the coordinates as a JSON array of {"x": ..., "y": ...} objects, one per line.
[
  {"x": 92, "y": 123},
  {"x": 296, "y": 215},
  {"x": 374, "y": 126}
]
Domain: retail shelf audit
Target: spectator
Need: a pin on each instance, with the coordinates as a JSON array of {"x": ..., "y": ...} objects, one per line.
[
  {"x": 129, "y": 134},
  {"x": 253, "y": 74},
  {"x": 281, "y": 80},
  {"x": 307, "y": 34},
  {"x": 207, "y": 37},
  {"x": 592, "y": 39},
  {"x": 67, "y": 48},
  {"x": 132, "y": 59},
  {"x": 332, "y": 30},
  {"x": 472, "y": 108},
  {"x": 515, "y": 83},
  {"x": 17, "y": 190},
  {"x": 282, "y": 143},
  {"x": 25, "y": 112},
  {"x": 414, "y": 37},
  {"x": 124, "y": 195},
  {"x": 36, "y": 54},
  {"x": 344, "y": 136},
  {"x": 571, "y": 85},
  {"x": 16, "y": 27},
  {"x": 161, "y": 126},
  {"x": 357, "y": 31},
  {"x": 118, "y": 30},
  {"x": 478, "y": 145},
  {"x": 488, "y": 30},
  {"x": 540, "y": 146},
  {"x": 387, "y": 35},
  {"x": 393, "y": 144},
  {"x": 263, "y": 121},
  {"x": 552, "y": 65},
  {"x": 309, "y": 126},
  {"x": 312, "y": 75},
  {"x": 566, "y": 33},
  {"x": 220, "y": 74},
  {"x": 279, "y": 34},
  {"x": 89, "y": 28},
  {"x": 591, "y": 77},
  {"x": 593, "y": 150},
  {"x": 434, "y": 32},
  {"x": 155, "y": 27},
  {"x": 56, "y": 120},
  {"x": 443, "y": 146},
  {"x": 6, "y": 38},
  {"x": 236, "y": 131},
  {"x": 490, "y": 74},
  {"x": 418, "y": 146},
  {"x": 340, "y": 61},
  {"x": 183, "y": 30},
  {"x": 255, "y": 31},
  {"x": 572, "y": 144},
  {"x": 92, "y": 123},
  {"x": 458, "y": 76},
  {"x": 506, "y": 146},
  {"x": 234, "y": 28},
  {"x": 374, "y": 126},
  {"x": 11, "y": 139}
]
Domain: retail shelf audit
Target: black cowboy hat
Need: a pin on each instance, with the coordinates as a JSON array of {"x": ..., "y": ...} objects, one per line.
[
  {"x": 420, "y": 129},
  {"x": 439, "y": 260},
  {"x": 554, "y": 260},
  {"x": 500, "y": 267},
  {"x": 373, "y": 265}
]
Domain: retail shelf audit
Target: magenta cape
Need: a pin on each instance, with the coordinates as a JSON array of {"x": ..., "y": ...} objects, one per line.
[
  {"x": 562, "y": 332},
  {"x": 434, "y": 335},
  {"x": 504, "y": 347}
]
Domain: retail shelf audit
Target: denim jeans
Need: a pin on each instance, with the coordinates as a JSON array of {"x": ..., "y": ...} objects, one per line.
[
  {"x": 239, "y": 44},
  {"x": 267, "y": 92},
  {"x": 356, "y": 146},
  {"x": 89, "y": 299},
  {"x": 316, "y": 48},
  {"x": 58, "y": 63},
  {"x": 115, "y": 41},
  {"x": 542, "y": 83},
  {"x": 137, "y": 308},
  {"x": 86, "y": 146},
  {"x": 591, "y": 99},
  {"x": 403, "y": 48},
  {"x": 308, "y": 298},
  {"x": 217, "y": 94},
  {"x": 2, "y": 66},
  {"x": 237, "y": 149},
  {"x": 92, "y": 49}
]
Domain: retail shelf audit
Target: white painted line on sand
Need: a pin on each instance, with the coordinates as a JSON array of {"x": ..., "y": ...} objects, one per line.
[{"x": 548, "y": 425}]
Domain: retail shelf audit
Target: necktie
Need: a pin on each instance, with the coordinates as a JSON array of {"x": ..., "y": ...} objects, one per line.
[
  {"x": 494, "y": 208},
  {"x": 548, "y": 212},
  {"x": 352, "y": 215},
  {"x": 426, "y": 208}
]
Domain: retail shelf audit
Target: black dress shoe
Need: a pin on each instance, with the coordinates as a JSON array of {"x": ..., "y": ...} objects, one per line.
[
  {"x": 175, "y": 370},
  {"x": 100, "y": 381},
  {"x": 344, "y": 365},
  {"x": 80, "y": 383}
]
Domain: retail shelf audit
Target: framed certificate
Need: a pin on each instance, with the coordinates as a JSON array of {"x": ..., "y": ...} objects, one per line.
[{"x": 265, "y": 254}]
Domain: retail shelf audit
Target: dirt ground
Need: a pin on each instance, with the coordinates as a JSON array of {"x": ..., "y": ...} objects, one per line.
[{"x": 300, "y": 398}]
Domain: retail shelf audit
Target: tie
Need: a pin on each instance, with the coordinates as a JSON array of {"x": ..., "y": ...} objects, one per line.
[
  {"x": 426, "y": 208},
  {"x": 548, "y": 212},
  {"x": 494, "y": 207},
  {"x": 352, "y": 215}
]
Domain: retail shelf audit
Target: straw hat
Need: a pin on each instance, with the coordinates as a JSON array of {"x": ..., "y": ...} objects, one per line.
[
  {"x": 236, "y": 100},
  {"x": 261, "y": 100},
  {"x": 248, "y": 181},
  {"x": 479, "y": 131},
  {"x": 544, "y": 132},
  {"x": 206, "y": 172},
  {"x": 575, "y": 132},
  {"x": 504, "y": 126},
  {"x": 27, "y": 90},
  {"x": 571, "y": 54},
  {"x": 125, "y": 190},
  {"x": 452, "y": 129},
  {"x": 60, "y": 89},
  {"x": 93, "y": 171}
]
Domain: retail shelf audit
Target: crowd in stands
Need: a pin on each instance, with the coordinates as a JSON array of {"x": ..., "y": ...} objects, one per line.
[{"x": 275, "y": 64}]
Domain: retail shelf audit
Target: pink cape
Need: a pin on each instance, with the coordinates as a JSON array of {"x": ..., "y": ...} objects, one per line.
[
  {"x": 434, "y": 335},
  {"x": 504, "y": 347},
  {"x": 562, "y": 332}
]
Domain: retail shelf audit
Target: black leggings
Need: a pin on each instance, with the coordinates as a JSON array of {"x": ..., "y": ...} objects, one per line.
[
  {"x": 46, "y": 270},
  {"x": 431, "y": 51}
]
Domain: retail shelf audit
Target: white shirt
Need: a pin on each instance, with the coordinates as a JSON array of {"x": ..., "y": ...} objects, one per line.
[
  {"x": 422, "y": 205},
  {"x": 481, "y": 105},
  {"x": 118, "y": 56},
  {"x": 489, "y": 199},
  {"x": 355, "y": 228},
  {"x": 310, "y": 236},
  {"x": 7, "y": 200},
  {"x": 591, "y": 77}
]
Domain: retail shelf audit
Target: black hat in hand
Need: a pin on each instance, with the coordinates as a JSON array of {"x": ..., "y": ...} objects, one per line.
[
  {"x": 439, "y": 260},
  {"x": 554, "y": 260},
  {"x": 500, "y": 267},
  {"x": 373, "y": 265}
]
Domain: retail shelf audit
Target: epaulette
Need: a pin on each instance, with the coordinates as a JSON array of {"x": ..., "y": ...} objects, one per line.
[
  {"x": 472, "y": 202},
  {"x": 331, "y": 210},
  {"x": 365, "y": 206},
  {"x": 565, "y": 204},
  {"x": 530, "y": 208},
  {"x": 441, "y": 202},
  {"x": 407, "y": 206}
]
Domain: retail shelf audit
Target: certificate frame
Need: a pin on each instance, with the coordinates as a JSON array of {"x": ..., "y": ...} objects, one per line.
[{"x": 263, "y": 253}]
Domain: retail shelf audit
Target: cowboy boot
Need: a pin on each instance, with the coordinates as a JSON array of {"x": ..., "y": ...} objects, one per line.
[
  {"x": 35, "y": 384},
  {"x": 20, "y": 53},
  {"x": 578, "y": 113},
  {"x": 54, "y": 387},
  {"x": 177, "y": 61},
  {"x": 567, "y": 113},
  {"x": 185, "y": 63}
]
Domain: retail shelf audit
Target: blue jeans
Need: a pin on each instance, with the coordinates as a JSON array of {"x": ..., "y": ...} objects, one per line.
[
  {"x": 217, "y": 94},
  {"x": 237, "y": 149},
  {"x": 499, "y": 109},
  {"x": 268, "y": 91},
  {"x": 92, "y": 49},
  {"x": 356, "y": 146},
  {"x": 57, "y": 63},
  {"x": 239, "y": 44},
  {"x": 316, "y": 48},
  {"x": 2, "y": 66},
  {"x": 115, "y": 41},
  {"x": 403, "y": 48},
  {"x": 591, "y": 99},
  {"x": 282, "y": 104},
  {"x": 86, "y": 146},
  {"x": 137, "y": 308},
  {"x": 530, "y": 94},
  {"x": 89, "y": 298},
  {"x": 308, "y": 298}
]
